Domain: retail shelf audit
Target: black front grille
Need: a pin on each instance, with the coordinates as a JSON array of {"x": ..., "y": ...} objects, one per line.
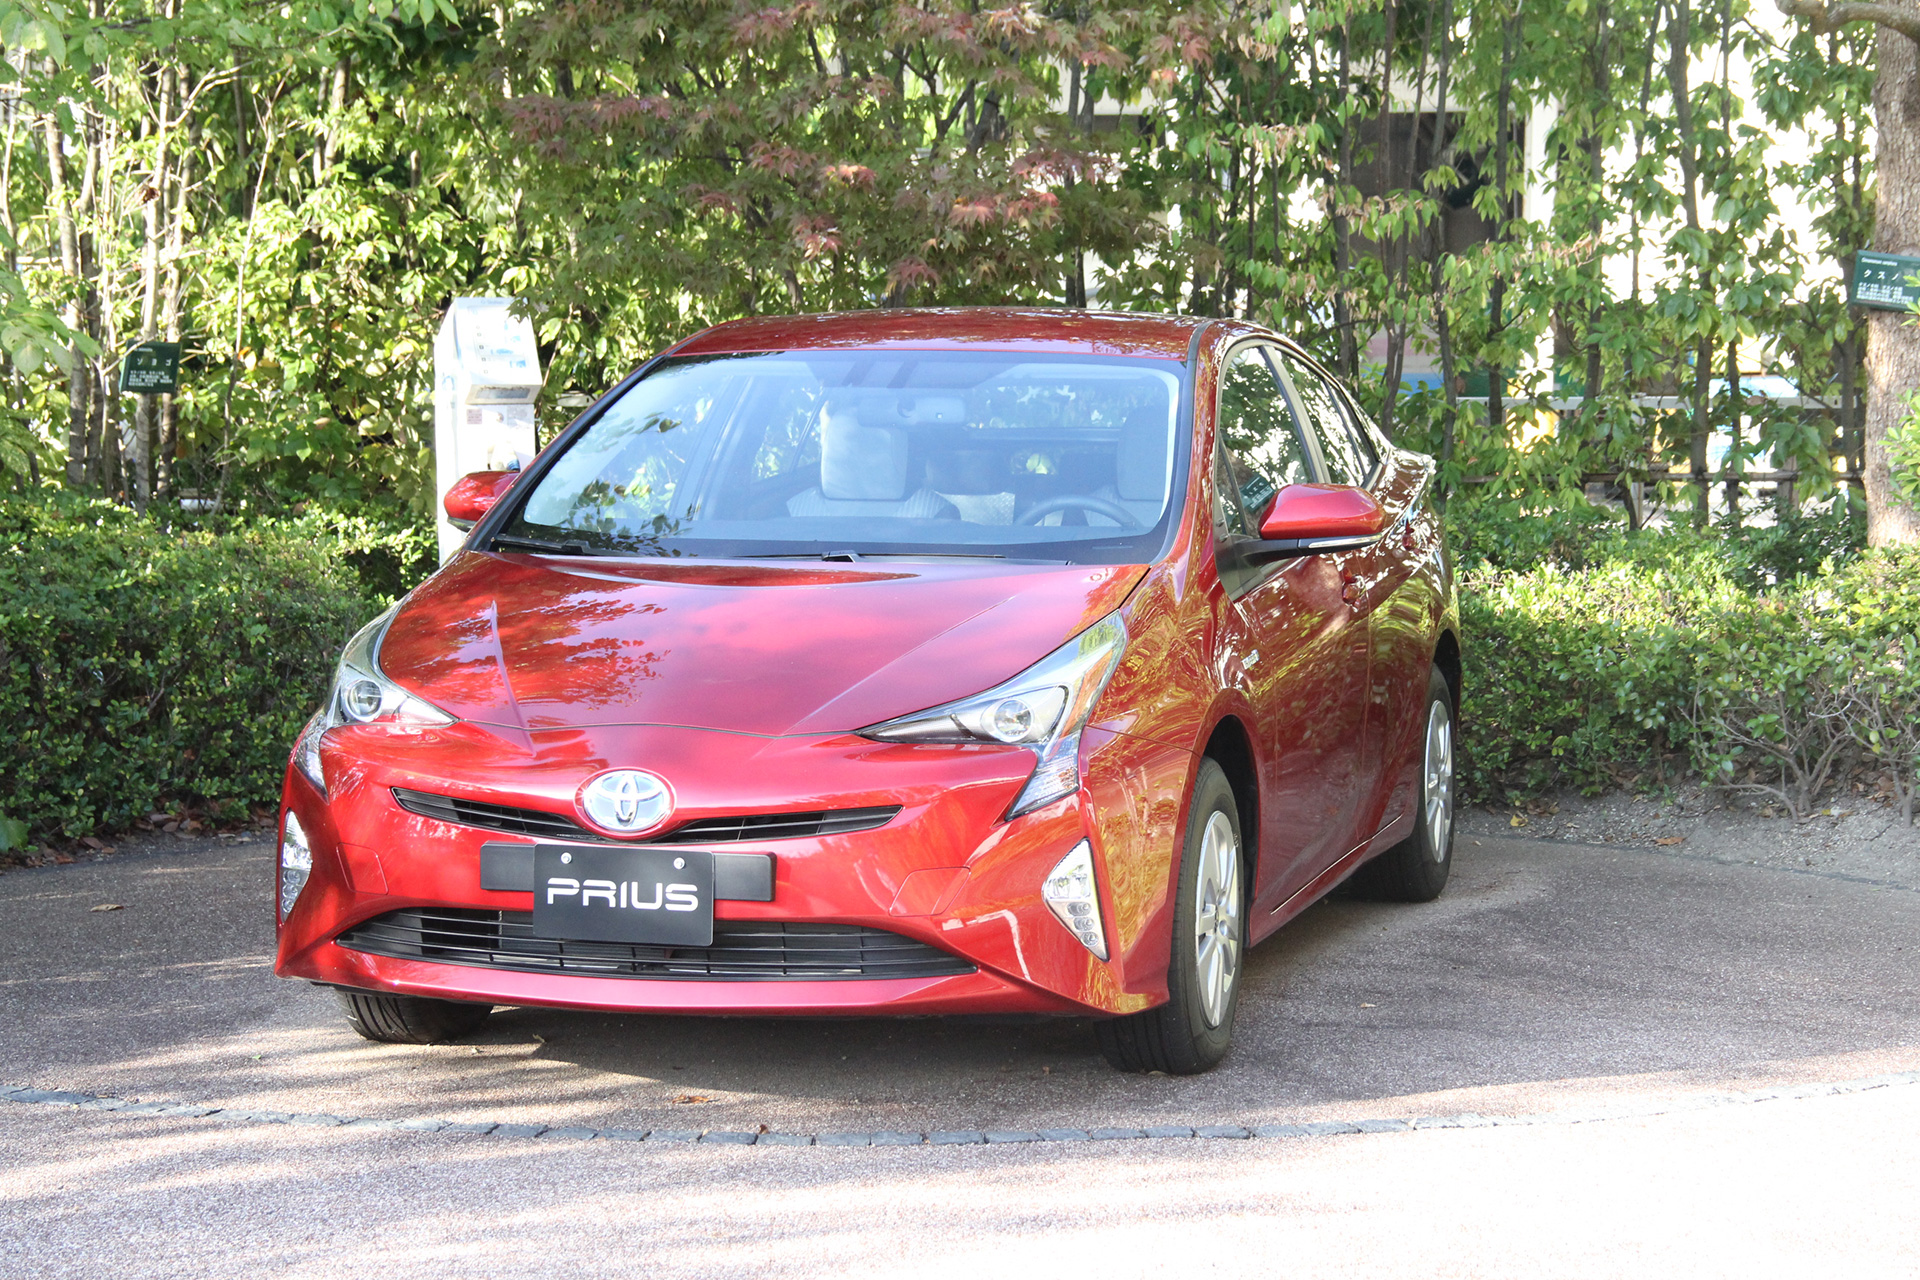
[
  {"x": 494, "y": 817},
  {"x": 768, "y": 950},
  {"x": 555, "y": 826},
  {"x": 778, "y": 826}
]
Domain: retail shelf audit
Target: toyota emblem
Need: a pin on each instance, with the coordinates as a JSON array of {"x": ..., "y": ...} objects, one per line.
[{"x": 626, "y": 800}]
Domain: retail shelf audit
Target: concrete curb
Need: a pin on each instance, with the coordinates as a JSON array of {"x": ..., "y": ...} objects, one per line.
[{"x": 81, "y": 1101}]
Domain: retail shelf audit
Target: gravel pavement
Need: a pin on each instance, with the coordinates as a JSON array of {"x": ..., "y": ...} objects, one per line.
[{"x": 1555, "y": 983}]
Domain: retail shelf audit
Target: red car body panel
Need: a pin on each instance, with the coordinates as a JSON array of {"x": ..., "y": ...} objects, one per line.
[
  {"x": 535, "y": 642},
  {"x": 969, "y": 328},
  {"x": 742, "y": 684}
]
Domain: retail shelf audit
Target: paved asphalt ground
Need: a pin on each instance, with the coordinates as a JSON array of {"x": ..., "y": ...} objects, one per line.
[{"x": 1663, "y": 1026}]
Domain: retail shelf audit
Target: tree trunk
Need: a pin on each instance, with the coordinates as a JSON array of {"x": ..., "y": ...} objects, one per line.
[
  {"x": 1893, "y": 343},
  {"x": 1497, "y": 293},
  {"x": 99, "y": 202},
  {"x": 1680, "y": 57},
  {"x": 1734, "y": 465},
  {"x": 1698, "y": 441},
  {"x": 1349, "y": 357},
  {"x": 1443, "y": 332},
  {"x": 172, "y": 298},
  {"x": 79, "y": 379},
  {"x": 1596, "y": 228},
  {"x": 155, "y": 208}
]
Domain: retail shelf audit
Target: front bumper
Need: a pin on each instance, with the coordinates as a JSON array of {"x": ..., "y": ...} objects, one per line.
[{"x": 946, "y": 872}]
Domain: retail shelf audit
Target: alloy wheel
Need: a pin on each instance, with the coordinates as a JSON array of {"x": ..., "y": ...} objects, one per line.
[
  {"x": 1216, "y": 919},
  {"x": 1437, "y": 789}
]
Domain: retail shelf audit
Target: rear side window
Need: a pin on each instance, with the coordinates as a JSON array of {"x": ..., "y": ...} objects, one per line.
[{"x": 1349, "y": 454}]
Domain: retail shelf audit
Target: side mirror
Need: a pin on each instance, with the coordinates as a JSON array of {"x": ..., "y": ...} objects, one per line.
[
  {"x": 473, "y": 495},
  {"x": 1307, "y": 519}
]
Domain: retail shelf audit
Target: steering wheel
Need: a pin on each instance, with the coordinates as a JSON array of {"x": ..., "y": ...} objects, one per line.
[{"x": 1079, "y": 502}]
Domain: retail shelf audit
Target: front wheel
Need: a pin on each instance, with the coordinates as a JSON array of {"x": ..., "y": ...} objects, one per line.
[
  {"x": 1191, "y": 1032},
  {"x": 410, "y": 1019},
  {"x": 1416, "y": 869}
]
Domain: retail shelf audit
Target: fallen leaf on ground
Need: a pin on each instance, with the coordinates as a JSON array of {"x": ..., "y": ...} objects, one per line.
[
  {"x": 1517, "y": 820},
  {"x": 107, "y": 906},
  {"x": 691, "y": 1099},
  {"x": 1671, "y": 840}
]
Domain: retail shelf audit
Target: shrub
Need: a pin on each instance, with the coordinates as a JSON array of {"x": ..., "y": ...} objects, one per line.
[
  {"x": 1806, "y": 678},
  {"x": 1579, "y": 677},
  {"x": 140, "y": 666},
  {"x": 1797, "y": 544},
  {"x": 1770, "y": 703},
  {"x": 1662, "y": 643},
  {"x": 387, "y": 552},
  {"x": 1507, "y": 533}
]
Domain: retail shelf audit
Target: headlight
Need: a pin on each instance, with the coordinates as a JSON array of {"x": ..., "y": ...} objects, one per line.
[
  {"x": 361, "y": 694},
  {"x": 1044, "y": 707},
  {"x": 296, "y": 862}
]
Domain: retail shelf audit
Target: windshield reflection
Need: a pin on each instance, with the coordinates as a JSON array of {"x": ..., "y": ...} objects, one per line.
[{"x": 847, "y": 454}]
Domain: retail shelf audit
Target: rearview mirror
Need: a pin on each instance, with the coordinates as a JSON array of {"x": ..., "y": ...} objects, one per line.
[
  {"x": 473, "y": 495},
  {"x": 1307, "y": 519}
]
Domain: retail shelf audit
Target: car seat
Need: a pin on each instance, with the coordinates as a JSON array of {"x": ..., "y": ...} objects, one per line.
[
  {"x": 1139, "y": 468},
  {"x": 863, "y": 472},
  {"x": 974, "y": 481}
]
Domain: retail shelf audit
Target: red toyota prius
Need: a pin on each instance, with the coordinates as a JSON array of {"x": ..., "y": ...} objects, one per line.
[{"x": 893, "y": 663}]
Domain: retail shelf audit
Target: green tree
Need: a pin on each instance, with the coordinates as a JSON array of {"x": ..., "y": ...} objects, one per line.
[{"x": 1893, "y": 345}]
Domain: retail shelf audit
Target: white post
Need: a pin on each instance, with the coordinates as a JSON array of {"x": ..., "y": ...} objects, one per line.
[{"x": 486, "y": 381}]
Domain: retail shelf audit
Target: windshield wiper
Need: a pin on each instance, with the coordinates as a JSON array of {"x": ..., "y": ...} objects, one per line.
[
  {"x": 542, "y": 546},
  {"x": 944, "y": 555}
]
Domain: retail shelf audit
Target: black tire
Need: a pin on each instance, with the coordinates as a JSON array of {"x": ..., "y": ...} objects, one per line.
[
  {"x": 411, "y": 1019},
  {"x": 1416, "y": 869},
  {"x": 1179, "y": 1037}
]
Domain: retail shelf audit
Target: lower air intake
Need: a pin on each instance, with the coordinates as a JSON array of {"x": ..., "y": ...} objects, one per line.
[{"x": 763, "y": 950}]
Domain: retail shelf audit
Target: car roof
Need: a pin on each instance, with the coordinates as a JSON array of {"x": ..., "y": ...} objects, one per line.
[{"x": 1112, "y": 333}]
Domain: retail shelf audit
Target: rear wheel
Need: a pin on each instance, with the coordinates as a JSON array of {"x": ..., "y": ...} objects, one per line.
[
  {"x": 1192, "y": 1031},
  {"x": 411, "y": 1019},
  {"x": 1416, "y": 869}
]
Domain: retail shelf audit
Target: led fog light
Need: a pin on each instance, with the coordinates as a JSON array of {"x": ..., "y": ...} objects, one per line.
[
  {"x": 296, "y": 863},
  {"x": 1070, "y": 891}
]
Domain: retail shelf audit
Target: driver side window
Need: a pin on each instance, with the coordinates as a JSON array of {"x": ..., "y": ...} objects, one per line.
[
  {"x": 1262, "y": 447},
  {"x": 1258, "y": 450}
]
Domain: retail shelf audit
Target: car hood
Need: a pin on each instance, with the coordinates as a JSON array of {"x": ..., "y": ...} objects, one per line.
[{"x": 542, "y": 643}]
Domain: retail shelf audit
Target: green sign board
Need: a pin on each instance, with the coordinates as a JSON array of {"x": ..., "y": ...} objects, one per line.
[
  {"x": 151, "y": 368},
  {"x": 1883, "y": 280}
]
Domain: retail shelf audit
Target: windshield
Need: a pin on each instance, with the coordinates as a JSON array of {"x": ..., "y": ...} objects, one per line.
[{"x": 826, "y": 453}]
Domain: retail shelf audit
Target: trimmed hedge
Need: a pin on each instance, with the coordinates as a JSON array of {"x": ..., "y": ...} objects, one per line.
[
  {"x": 1658, "y": 654},
  {"x": 141, "y": 666}
]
